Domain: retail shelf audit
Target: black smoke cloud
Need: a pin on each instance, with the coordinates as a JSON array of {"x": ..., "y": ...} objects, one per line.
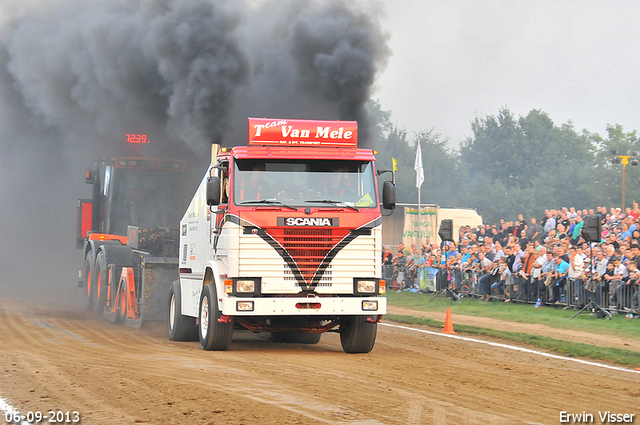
[
  {"x": 114, "y": 67},
  {"x": 313, "y": 60},
  {"x": 77, "y": 75}
]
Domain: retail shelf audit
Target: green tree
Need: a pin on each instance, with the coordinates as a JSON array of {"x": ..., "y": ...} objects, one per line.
[
  {"x": 495, "y": 150},
  {"x": 530, "y": 162},
  {"x": 608, "y": 175}
]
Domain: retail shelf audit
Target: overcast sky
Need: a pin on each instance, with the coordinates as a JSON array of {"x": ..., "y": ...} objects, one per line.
[{"x": 454, "y": 60}]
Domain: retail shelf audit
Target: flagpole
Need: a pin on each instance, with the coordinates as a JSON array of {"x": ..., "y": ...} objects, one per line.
[
  {"x": 419, "y": 179},
  {"x": 419, "y": 221}
]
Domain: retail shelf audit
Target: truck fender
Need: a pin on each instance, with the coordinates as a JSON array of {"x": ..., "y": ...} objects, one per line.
[
  {"x": 93, "y": 246},
  {"x": 216, "y": 268},
  {"x": 120, "y": 255}
]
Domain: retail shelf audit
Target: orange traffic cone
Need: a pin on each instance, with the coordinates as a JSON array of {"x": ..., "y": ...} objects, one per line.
[{"x": 448, "y": 323}]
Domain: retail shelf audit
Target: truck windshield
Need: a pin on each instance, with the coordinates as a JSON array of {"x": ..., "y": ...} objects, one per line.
[
  {"x": 146, "y": 198},
  {"x": 305, "y": 182}
]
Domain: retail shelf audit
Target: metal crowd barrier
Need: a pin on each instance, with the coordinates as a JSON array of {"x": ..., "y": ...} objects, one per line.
[{"x": 614, "y": 296}]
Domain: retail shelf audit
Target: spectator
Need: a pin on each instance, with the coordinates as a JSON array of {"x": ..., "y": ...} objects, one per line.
[
  {"x": 635, "y": 297},
  {"x": 523, "y": 238},
  {"x": 486, "y": 272},
  {"x": 547, "y": 275},
  {"x": 526, "y": 290},
  {"x": 425, "y": 247},
  {"x": 612, "y": 239},
  {"x": 537, "y": 285},
  {"x": 508, "y": 256},
  {"x": 552, "y": 237},
  {"x": 635, "y": 211},
  {"x": 576, "y": 231},
  {"x": 562, "y": 231},
  {"x": 401, "y": 263},
  {"x": 388, "y": 266},
  {"x": 576, "y": 263},
  {"x": 404, "y": 249},
  {"x": 537, "y": 245},
  {"x": 453, "y": 252},
  {"x": 495, "y": 235},
  {"x": 518, "y": 255},
  {"x": 465, "y": 255},
  {"x": 564, "y": 220},
  {"x": 560, "y": 276},
  {"x": 510, "y": 228},
  {"x": 488, "y": 253},
  {"x": 504, "y": 233},
  {"x": 600, "y": 268},
  {"x": 505, "y": 284},
  {"x": 413, "y": 261},
  {"x": 534, "y": 231},
  {"x": 625, "y": 291},
  {"x": 619, "y": 276},
  {"x": 635, "y": 254},
  {"x": 387, "y": 257},
  {"x": 520, "y": 225},
  {"x": 625, "y": 231}
]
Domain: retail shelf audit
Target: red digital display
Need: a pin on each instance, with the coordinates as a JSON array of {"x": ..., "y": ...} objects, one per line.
[{"x": 137, "y": 138}]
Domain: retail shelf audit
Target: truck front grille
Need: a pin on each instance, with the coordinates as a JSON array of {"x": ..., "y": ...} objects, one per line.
[{"x": 308, "y": 247}]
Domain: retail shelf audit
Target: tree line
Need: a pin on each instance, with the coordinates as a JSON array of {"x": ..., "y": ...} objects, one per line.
[{"x": 510, "y": 165}]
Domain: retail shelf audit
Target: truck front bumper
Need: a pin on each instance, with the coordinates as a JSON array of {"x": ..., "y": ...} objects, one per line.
[{"x": 294, "y": 306}]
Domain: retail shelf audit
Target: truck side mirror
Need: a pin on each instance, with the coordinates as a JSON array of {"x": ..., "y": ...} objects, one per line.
[
  {"x": 213, "y": 191},
  {"x": 388, "y": 195},
  {"x": 89, "y": 177}
]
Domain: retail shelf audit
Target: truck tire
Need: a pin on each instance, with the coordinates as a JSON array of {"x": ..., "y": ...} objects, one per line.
[
  {"x": 121, "y": 308},
  {"x": 296, "y": 337},
  {"x": 213, "y": 335},
  {"x": 179, "y": 327},
  {"x": 100, "y": 277},
  {"x": 357, "y": 335},
  {"x": 87, "y": 272}
]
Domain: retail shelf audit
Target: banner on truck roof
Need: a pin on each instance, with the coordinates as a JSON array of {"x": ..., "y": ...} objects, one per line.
[{"x": 285, "y": 132}]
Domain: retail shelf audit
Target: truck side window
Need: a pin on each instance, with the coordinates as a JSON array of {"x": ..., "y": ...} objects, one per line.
[
  {"x": 224, "y": 176},
  {"x": 107, "y": 180}
]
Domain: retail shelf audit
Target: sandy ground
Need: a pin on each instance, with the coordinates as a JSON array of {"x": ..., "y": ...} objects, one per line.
[{"x": 110, "y": 374}]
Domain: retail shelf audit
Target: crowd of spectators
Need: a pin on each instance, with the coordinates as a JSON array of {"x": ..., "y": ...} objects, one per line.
[{"x": 543, "y": 262}]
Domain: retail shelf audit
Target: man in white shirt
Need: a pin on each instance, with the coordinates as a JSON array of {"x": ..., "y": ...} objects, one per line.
[
  {"x": 536, "y": 270},
  {"x": 576, "y": 264}
]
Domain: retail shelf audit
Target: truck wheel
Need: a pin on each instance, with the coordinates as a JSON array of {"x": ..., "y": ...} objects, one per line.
[
  {"x": 357, "y": 335},
  {"x": 213, "y": 335},
  {"x": 296, "y": 337},
  {"x": 100, "y": 282},
  {"x": 121, "y": 308},
  {"x": 87, "y": 271},
  {"x": 179, "y": 327}
]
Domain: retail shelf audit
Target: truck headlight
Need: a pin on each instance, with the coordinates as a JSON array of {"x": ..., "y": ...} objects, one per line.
[
  {"x": 244, "y": 306},
  {"x": 245, "y": 286},
  {"x": 366, "y": 287},
  {"x": 369, "y": 305}
]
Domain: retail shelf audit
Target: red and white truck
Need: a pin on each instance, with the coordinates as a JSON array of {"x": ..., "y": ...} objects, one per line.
[{"x": 284, "y": 236}]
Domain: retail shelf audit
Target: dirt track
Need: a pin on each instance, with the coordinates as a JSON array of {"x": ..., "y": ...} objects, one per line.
[{"x": 52, "y": 360}]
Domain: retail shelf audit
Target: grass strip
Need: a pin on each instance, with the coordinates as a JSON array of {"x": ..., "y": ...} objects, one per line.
[
  {"x": 521, "y": 313},
  {"x": 557, "y": 346}
]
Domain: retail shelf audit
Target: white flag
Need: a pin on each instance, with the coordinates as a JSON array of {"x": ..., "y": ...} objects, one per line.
[{"x": 418, "y": 167}]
